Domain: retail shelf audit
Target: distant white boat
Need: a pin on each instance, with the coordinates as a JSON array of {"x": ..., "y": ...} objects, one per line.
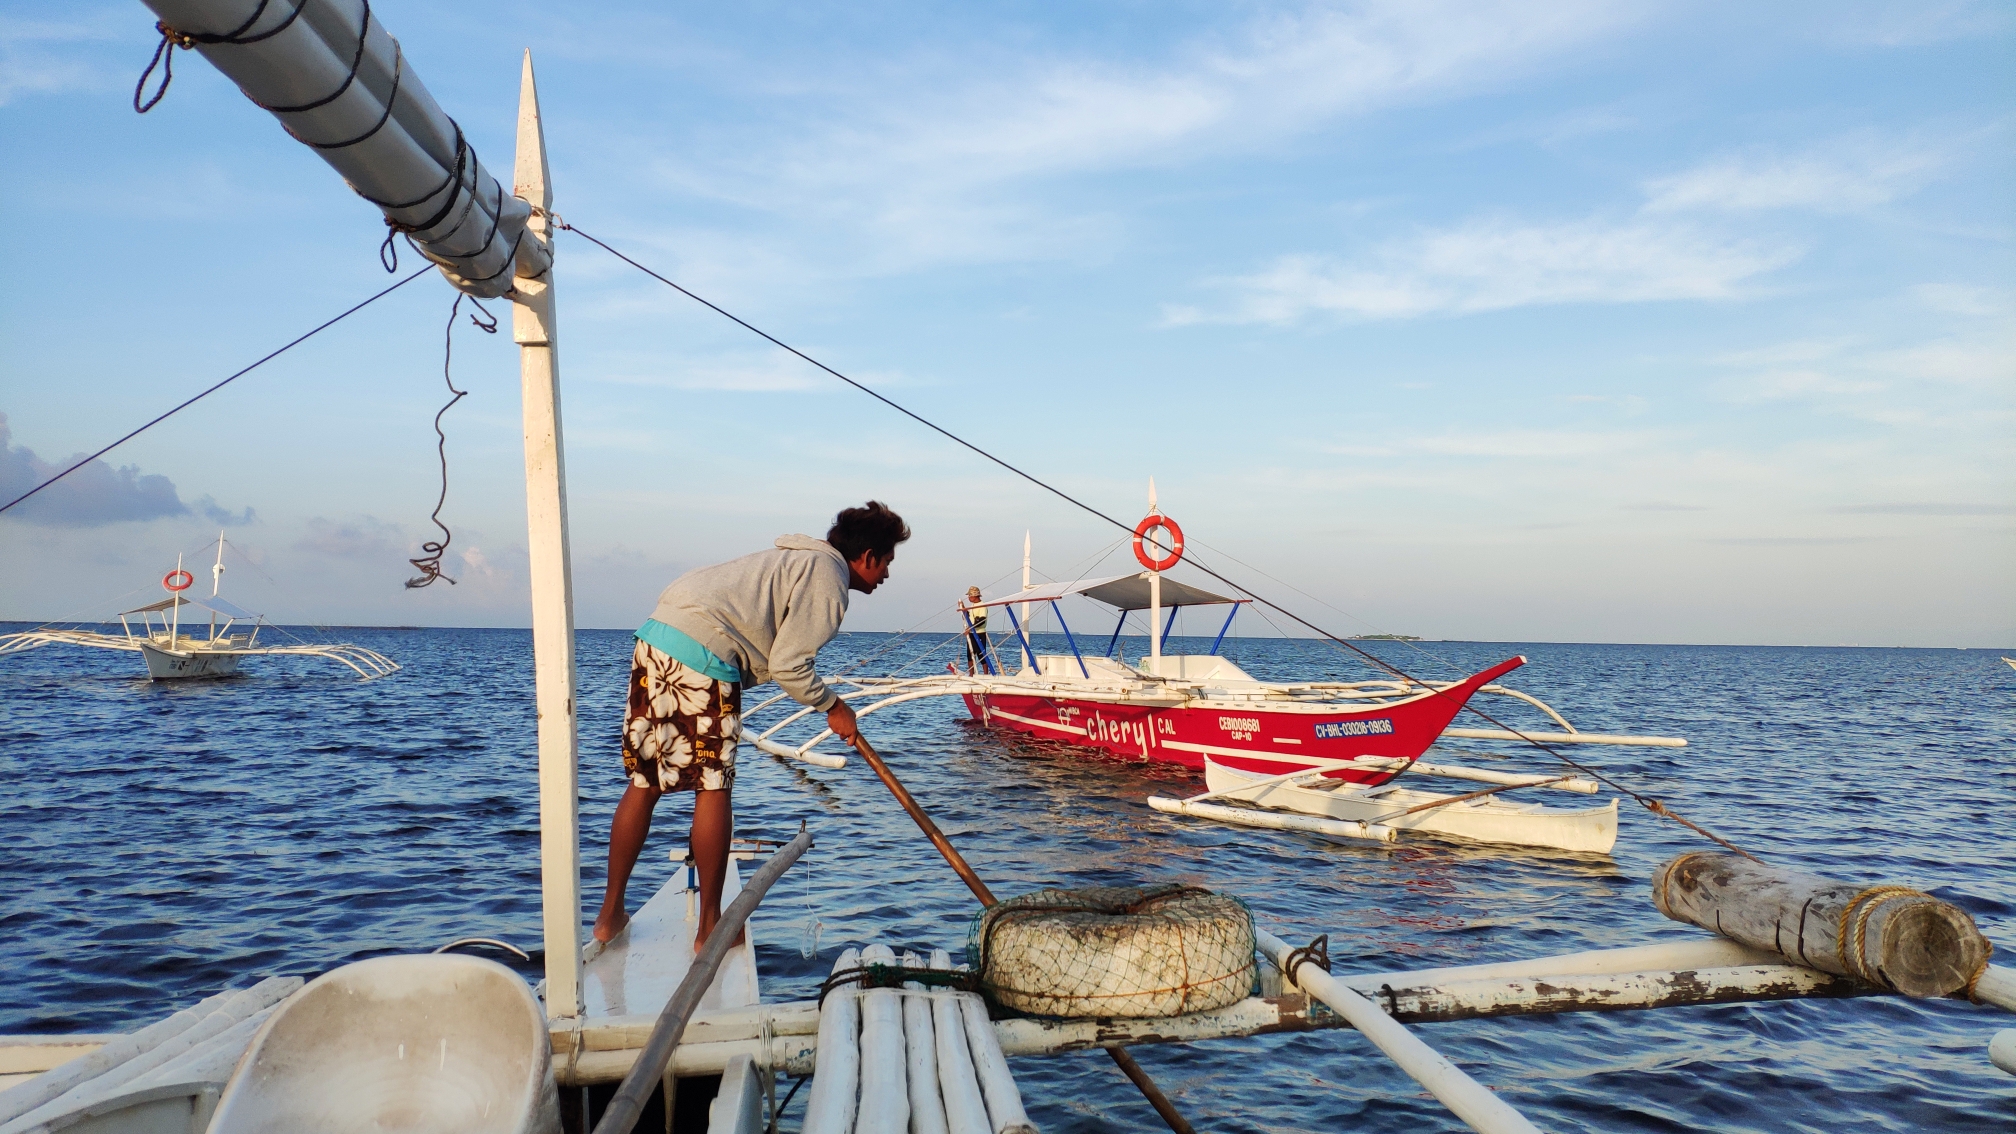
[{"x": 211, "y": 651}]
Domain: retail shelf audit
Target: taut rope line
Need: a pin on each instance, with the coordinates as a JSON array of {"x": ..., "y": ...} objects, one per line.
[{"x": 213, "y": 389}]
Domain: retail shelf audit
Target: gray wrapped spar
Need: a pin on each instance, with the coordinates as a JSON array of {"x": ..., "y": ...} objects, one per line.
[{"x": 337, "y": 81}]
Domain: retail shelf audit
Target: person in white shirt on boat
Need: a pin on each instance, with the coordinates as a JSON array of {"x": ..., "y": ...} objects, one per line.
[
  {"x": 716, "y": 631},
  {"x": 976, "y": 631}
]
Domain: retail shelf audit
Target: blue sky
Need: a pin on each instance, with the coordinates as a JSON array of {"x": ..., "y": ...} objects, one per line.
[{"x": 1649, "y": 322}]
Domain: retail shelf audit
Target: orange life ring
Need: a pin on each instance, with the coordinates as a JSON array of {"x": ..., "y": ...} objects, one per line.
[
  {"x": 1149, "y": 524},
  {"x": 169, "y": 582}
]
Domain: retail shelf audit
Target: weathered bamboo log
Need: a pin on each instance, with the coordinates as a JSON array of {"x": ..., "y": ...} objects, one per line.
[{"x": 1891, "y": 936}]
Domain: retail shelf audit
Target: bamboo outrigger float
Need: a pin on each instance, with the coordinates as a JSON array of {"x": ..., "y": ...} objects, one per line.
[{"x": 651, "y": 1013}]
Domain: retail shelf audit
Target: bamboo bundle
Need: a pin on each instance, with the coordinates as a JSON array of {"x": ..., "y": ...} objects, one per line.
[{"x": 896, "y": 1060}]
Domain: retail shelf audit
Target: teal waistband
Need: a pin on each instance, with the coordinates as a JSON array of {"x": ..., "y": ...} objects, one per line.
[{"x": 680, "y": 646}]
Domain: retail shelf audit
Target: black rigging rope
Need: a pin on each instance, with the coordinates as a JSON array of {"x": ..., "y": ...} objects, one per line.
[
  {"x": 1650, "y": 804},
  {"x": 213, "y": 389},
  {"x": 164, "y": 55},
  {"x": 429, "y": 562}
]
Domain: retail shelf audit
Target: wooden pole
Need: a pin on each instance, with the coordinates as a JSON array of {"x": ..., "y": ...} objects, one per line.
[
  {"x": 1128, "y": 1066},
  {"x": 532, "y": 326},
  {"x": 649, "y": 1069},
  {"x": 1891, "y": 936}
]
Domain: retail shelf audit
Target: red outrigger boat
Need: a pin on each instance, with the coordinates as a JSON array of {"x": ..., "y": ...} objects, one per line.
[{"x": 1255, "y": 740}]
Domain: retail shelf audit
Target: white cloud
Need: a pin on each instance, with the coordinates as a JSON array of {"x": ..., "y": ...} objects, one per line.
[
  {"x": 936, "y": 165},
  {"x": 1516, "y": 444},
  {"x": 1846, "y": 177},
  {"x": 31, "y": 62},
  {"x": 1933, "y": 383},
  {"x": 771, "y": 371},
  {"x": 1964, "y": 299},
  {"x": 1494, "y": 264}
]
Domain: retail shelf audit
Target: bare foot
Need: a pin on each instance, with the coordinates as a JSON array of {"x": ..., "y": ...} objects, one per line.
[{"x": 610, "y": 924}]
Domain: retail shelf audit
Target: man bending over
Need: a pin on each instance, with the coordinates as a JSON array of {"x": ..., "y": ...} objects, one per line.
[{"x": 759, "y": 618}]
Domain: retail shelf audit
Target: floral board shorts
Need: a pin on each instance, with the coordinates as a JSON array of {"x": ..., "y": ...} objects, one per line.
[{"x": 680, "y": 728}]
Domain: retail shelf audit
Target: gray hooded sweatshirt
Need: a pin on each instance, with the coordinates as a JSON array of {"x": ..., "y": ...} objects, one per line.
[{"x": 766, "y": 614}]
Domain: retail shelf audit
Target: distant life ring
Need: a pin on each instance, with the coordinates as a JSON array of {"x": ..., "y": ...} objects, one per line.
[
  {"x": 1149, "y": 524},
  {"x": 169, "y": 580}
]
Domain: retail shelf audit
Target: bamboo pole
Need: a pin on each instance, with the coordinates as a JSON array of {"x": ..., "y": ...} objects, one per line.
[
  {"x": 2002, "y": 1050},
  {"x": 836, "y": 1087},
  {"x": 652, "y": 1062},
  {"x": 1128, "y": 1066},
  {"x": 920, "y": 1043},
  {"x": 885, "y": 1087},
  {"x": 1467, "y": 1099},
  {"x": 958, "y": 1075}
]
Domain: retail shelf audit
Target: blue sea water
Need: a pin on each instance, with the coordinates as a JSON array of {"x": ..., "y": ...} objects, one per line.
[{"x": 163, "y": 840}]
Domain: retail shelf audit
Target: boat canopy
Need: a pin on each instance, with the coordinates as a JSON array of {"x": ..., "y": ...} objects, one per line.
[
  {"x": 213, "y": 605},
  {"x": 1124, "y": 592}
]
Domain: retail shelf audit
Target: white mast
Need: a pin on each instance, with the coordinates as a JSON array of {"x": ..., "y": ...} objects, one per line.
[
  {"x": 216, "y": 581},
  {"x": 1028, "y": 651},
  {"x": 175, "y": 628},
  {"x": 1154, "y": 599},
  {"x": 532, "y": 326}
]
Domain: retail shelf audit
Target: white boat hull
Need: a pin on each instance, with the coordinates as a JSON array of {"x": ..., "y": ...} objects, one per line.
[
  {"x": 1490, "y": 819},
  {"x": 171, "y": 665}
]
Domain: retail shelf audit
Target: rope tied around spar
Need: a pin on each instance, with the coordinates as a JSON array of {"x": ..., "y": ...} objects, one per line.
[
  {"x": 172, "y": 37},
  {"x": 428, "y": 563},
  {"x": 1854, "y": 945},
  {"x": 1317, "y": 953}
]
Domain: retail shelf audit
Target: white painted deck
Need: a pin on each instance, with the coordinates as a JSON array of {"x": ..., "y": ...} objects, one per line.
[{"x": 638, "y": 972}]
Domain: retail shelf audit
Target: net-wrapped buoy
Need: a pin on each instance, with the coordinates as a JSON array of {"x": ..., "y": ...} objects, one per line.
[{"x": 1115, "y": 951}]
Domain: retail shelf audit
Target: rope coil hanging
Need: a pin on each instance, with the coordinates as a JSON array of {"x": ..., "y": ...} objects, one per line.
[{"x": 428, "y": 563}]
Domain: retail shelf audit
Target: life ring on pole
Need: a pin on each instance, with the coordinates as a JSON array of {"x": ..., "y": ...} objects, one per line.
[
  {"x": 1149, "y": 524},
  {"x": 169, "y": 580}
]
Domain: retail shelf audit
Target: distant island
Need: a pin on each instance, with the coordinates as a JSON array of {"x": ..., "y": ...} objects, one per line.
[{"x": 1385, "y": 638}]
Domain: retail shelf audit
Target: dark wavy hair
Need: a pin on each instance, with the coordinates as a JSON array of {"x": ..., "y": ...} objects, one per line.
[{"x": 871, "y": 527}]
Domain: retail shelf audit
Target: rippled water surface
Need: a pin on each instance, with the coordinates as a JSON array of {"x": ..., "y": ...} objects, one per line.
[{"x": 163, "y": 840}]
